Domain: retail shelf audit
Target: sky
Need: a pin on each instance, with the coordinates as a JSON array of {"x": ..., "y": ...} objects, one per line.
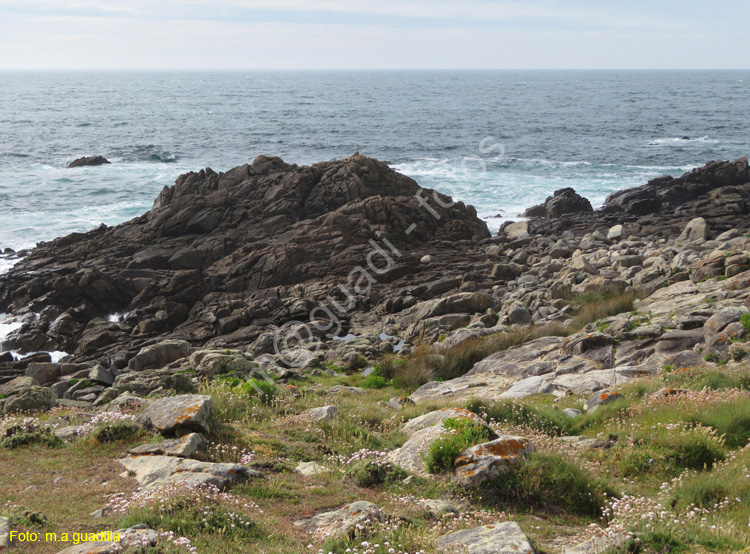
[{"x": 374, "y": 34}]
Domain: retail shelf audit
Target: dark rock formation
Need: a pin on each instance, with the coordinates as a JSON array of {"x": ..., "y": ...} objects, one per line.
[
  {"x": 90, "y": 160},
  {"x": 227, "y": 256},
  {"x": 564, "y": 201},
  {"x": 719, "y": 192}
]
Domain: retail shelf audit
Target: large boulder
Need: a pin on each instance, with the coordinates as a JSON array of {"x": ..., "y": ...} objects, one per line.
[
  {"x": 562, "y": 202},
  {"x": 485, "y": 462},
  {"x": 158, "y": 355},
  {"x": 183, "y": 447},
  {"x": 179, "y": 414},
  {"x": 27, "y": 399},
  {"x": 697, "y": 229}
]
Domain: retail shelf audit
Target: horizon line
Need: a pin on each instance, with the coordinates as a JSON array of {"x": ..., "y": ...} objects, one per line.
[{"x": 308, "y": 69}]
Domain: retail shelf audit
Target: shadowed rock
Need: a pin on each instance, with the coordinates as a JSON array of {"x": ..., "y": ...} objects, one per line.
[{"x": 89, "y": 161}]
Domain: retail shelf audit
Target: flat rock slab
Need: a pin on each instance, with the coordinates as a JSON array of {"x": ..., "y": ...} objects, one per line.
[
  {"x": 324, "y": 413},
  {"x": 343, "y": 520},
  {"x": 184, "y": 447},
  {"x": 137, "y": 539},
  {"x": 153, "y": 471},
  {"x": 179, "y": 414},
  {"x": 501, "y": 538}
]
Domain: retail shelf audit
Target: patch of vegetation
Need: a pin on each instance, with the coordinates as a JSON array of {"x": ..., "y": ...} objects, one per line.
[
  {"x": 370, "y": 472},
  {"x": 551, "y": 483},
  {"x": 260, "y": 388},
  {"x": 462, "y": 433},
  {"x": 388, "y": 367},
  {"x": 23, "y": 436},
  {"x": 116, "y": 431},
  {"x": 745, "y": 320},
  {"x": 375, "y": 382}
]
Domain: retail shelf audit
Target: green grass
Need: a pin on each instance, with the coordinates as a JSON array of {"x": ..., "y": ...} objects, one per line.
[
  {"x": 462, "y": 433},
  {"x": 550, "y": 483}
]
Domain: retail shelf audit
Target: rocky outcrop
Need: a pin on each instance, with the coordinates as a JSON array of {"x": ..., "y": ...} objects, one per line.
[
  {"x": 89, "y": 161},
  {"x": 718, "y": 192},
  {"x": 564, "y": 201},
  {"x": 223, "y": 258}
]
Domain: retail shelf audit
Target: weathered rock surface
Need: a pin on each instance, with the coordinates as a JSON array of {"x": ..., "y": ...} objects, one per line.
[
  {"x": 500, "y": 538},
  {"x": 184, "y": 447},
  {"x": 484, "y": 462},
  {"x": 179, "y": 414},
  {"x": 153, "y": 471},
  {"x": 343, "y": 520},
  {"x": 324, "y": 413}
]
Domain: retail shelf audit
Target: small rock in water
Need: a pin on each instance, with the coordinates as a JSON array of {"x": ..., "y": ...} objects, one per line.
[{"x": 89, "y": 161}]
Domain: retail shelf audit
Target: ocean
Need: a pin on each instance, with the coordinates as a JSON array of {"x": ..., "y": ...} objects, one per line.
[{"x": 500, "y": 140}]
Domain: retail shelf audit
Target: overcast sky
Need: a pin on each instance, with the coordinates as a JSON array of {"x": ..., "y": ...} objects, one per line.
[{"x": 361, "y": 34}]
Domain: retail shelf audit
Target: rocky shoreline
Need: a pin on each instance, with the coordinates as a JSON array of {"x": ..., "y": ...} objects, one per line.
[
  {"x": 304, "y": 276},
  {"x": 347, "y": 260}
]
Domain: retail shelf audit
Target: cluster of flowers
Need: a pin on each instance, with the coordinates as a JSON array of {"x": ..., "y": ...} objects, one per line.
[
  {"x": 449, "y": 521},
  {"x": 11, "y": 424},
  {"x": 379, "y": 457},
  {"x": 180, "y": 542},
  {"x": 639, "y": 513},
  {"x": 217, "y": 452},
  {"x": 366, "y": 547},
  {"x": 205, "y": 497},
  {"x": 106, "y": 417}
]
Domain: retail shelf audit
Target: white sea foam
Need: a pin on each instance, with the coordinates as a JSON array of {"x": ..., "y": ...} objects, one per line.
[
  {"x": 8, "y": 324},
  {"x": 681, "y": 140}
]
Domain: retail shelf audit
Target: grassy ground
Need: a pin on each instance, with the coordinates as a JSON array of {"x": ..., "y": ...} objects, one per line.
[{"x": 674, "y": 469}]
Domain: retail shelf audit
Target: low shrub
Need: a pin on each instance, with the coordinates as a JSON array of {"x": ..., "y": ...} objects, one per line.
[
  {"x": 372, "y": 472},
  {"x": 28, "y": 434},
  {"x": 462, "y": 433},
  {"x": 388, "y": 367},
  {"x": 695, "y": 448},
  {"x": 549, "y": 482},
  {"x": 745, "y": 320},
  {"x": 375, "y": 382},
  {"x": 115, "y": 431},
  {"x": 261, "y": 388}
]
